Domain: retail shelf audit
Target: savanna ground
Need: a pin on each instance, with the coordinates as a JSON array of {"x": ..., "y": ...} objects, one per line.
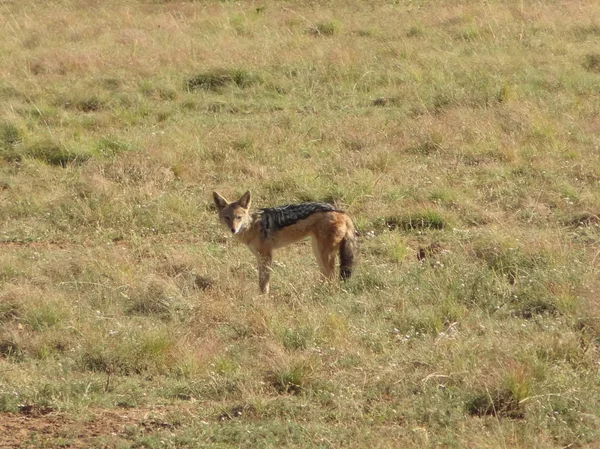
[{"x": 462, "y": 136}]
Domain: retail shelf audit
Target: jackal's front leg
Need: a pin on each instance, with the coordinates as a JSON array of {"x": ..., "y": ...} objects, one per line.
[{"x": 264, "y": 270}]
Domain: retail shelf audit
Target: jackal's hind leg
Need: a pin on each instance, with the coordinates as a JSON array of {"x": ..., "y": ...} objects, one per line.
[
  {"x": 317, "y": 253},
  {"x": 328, "y": 257},
  {"x": 325, "y": 254}
]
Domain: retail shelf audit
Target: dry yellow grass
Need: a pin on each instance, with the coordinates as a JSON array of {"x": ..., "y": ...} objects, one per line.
[{"x": 461, "y": 136}]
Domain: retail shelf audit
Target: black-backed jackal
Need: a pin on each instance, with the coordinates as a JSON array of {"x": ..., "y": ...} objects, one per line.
[{"x": 264, "y": 230}]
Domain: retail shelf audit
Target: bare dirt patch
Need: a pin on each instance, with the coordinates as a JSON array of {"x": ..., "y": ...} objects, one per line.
[{"x": 47, "y": 430}]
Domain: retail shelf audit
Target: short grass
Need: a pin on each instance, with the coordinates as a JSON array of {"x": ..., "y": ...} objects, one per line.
[{"x": 461, "y": 136}]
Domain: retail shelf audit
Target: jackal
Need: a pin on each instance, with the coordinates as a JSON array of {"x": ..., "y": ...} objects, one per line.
[{"x": 264, "y": 230}]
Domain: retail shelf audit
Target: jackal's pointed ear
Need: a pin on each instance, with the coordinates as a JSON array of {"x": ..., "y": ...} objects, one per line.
[
  {"x": 220, "y": 202},
  {"x": 245, "y": 200}
]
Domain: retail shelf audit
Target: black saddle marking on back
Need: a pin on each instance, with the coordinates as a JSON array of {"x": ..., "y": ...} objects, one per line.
[{"x": 274, "y": 218}]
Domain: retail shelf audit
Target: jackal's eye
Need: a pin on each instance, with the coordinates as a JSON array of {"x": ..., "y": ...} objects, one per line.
[
  {"x": 228, "y": 218},
  {"x": 238, "y": 217}
]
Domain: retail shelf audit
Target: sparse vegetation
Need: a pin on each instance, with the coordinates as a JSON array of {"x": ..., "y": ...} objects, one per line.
[{"x": 461, "y": 136}]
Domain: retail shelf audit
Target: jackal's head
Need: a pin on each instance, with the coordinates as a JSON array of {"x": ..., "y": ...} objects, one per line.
[{"x": 234, "y": 215}]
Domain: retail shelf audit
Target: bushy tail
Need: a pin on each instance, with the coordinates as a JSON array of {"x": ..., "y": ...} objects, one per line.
[{"x": 347, "y": 249}]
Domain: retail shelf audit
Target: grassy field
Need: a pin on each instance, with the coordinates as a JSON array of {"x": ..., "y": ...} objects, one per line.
[{"x": 463, "y": 137}]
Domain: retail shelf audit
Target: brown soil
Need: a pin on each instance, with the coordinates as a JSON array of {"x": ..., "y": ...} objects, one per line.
[{"x": 104, "y": 428}]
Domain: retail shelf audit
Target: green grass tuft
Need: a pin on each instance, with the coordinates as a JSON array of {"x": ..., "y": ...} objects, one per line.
[
  {"x": 292, "y": 379},
  {"x": 501, "y": 403},
  {"x": 45, "y": 150},
  {"x": 10, "y": 135},
  {"x": 10, "y": 310},
  {"x": 326, "y": 28},
  {"x": 592, "y": 62},
  {"x": 418, "y": 221},
  {"x": 217, "y": 79},
  {"x": 44, "y": 316},
  {"x": 11, "y": 350},
  {"x": 109, "y": 146},
  {"x": 294, "y": 339}
]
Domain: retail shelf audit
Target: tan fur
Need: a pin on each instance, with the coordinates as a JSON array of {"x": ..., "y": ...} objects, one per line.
[{"x": 327, "y": 230}]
